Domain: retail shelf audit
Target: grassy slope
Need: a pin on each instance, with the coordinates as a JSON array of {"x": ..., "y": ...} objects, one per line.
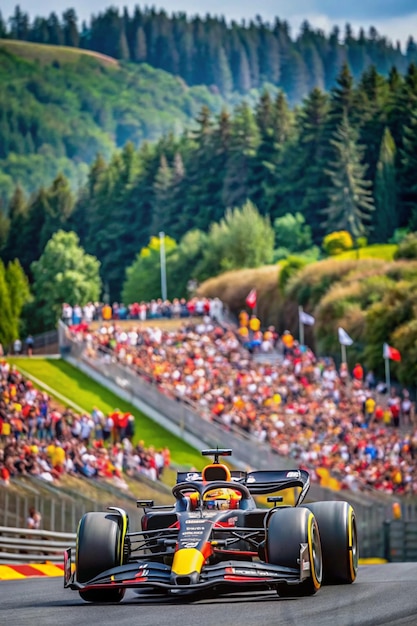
[
  {"x": 377, "y": 251},
  {"x": 86, "y": 393},
  {"x": 82, "y": 104},
  {"x": 44, "y": 53}
]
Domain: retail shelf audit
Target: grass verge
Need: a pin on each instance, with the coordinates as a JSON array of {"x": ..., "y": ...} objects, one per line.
[{"x": 69, "y": 382}]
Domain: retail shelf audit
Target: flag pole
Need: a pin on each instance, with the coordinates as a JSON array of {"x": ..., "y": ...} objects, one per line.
[
  {"x": 300, "y": 326},
  {"x": 387, "y": 376},
  {"x": 343, "y": 349}
]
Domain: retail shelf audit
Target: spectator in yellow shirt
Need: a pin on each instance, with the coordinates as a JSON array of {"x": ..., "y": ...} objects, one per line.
[
  {"x": 254, "y": 324},
  {"x": 243, "y": 319}
]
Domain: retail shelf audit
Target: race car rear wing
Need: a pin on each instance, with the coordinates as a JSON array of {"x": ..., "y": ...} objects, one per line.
[
  {"x": 182, "y": 477},
  {"x": 261, "y": 482}
]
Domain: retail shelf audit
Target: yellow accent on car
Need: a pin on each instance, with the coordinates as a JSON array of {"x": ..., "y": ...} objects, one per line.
[
  {"x": 186, "y": 561},
  {"x": 316, "y": 582},
  {"x": 350, "y": 540},
  {"x": 123, "y": 535},
  {"x": 125, "y": 523}
]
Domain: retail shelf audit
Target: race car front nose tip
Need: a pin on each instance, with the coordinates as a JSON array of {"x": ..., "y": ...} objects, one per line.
[{"x": 181, "y": 580}]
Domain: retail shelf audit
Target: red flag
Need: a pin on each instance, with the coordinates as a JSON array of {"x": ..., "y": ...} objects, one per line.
[
  {"x": 391, "y": 353},
  {"x": 251, "y": 299}
]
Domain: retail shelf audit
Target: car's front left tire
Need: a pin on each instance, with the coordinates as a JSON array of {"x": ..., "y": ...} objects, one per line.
[{"x": 99, "y": 548}]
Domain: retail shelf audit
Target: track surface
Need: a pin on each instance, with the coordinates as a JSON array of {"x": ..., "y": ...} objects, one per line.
[{"x": 382, "y": 594}]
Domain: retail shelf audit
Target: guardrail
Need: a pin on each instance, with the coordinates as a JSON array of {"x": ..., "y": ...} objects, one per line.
[{"x": 22, "y": 545}]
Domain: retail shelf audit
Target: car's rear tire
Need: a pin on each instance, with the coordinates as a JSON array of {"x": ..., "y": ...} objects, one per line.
[
  {"x": 99, "y": 548},
  {"x": 287, "y": 529},
  {"x": 339, "y": 540}
]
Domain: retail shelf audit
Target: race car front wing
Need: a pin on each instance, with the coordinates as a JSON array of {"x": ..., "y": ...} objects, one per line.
[{"x": 151, "y": 574}]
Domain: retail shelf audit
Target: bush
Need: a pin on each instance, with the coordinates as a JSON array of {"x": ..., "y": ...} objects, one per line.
[
  {"x": 407, "y": 248},
  {"x": 337, "y": 242},
  {"x": 289, "y": 268}
]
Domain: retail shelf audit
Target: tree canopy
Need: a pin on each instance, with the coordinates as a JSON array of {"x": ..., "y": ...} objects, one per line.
[{"x": 64, "y": 273}]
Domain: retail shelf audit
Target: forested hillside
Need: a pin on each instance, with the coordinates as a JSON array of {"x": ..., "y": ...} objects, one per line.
[
  {"x": 210, "y": 51},
  {"x": 284, "y": 151},
  {"x": 56, "y": 115},
  {"x": 344, "y": 161},
  {"x": 59, "y": 109}
]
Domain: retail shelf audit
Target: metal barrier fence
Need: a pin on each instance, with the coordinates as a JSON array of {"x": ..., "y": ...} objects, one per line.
[
  {"x": 20, "y": 545},
  {"x": 60, "y": 509},
  {"x": 60, "y": 514},
  {"x": 401, "y": 541}
]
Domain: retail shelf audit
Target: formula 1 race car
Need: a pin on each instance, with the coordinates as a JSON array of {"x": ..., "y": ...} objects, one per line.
[{"x": 215, "y": 536}]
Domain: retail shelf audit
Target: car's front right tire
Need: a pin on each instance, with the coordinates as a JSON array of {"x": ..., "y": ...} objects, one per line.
[
  {"x": 339, "y": 540},
  {"x": 287, "y": 530}
]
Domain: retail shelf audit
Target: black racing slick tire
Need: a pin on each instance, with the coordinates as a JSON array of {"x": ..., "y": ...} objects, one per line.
[
  {"x": 99, "y": 548},
  {"x": 287, "y": 530},
  {"x": 339, "y": 541}
]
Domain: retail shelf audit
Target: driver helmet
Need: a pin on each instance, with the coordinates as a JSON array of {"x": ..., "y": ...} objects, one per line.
[{"x": 221, "y": 499}]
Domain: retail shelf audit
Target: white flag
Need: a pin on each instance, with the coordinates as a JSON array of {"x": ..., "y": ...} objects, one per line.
[
  {"x": 305, "y": 318},
  {"x": 344, "y": 338}
]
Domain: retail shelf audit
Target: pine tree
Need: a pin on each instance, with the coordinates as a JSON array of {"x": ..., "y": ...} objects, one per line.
[
  {"x": 71, "y": 35},
  {"x": 60, "y": 204},
  {"x": 335, "y": 58},
  {"x": 197, "y": 160},
  {"x": 17, "y": 214},
  {"x": 243, "y": 146},
  {"x": 294, "y": 73},
  {"x": 242, "y": 77},
  {"x": 19, "y": 24},
  {"x": 4, "y": 228},
  {"x": 31, "y": 241},
  {"x": 273, "y": 154},
  {"x": 19, "y": 292},
  {"x": 264, "y": 120},
  {"x": 8, "y": 324},
  {"x": 370, "y": 115},
  {"x": 222, "y": 75},
  {"x": 307, "y": 175},
  {"x": 55, "y": 33},
  {"x": 3, "y": 28},
  {"x": 140, "y": 51},
  {"x": 342, "y": 97},
  {"x": 269, "y": 58},
  {"x": 386, "y": 217},
  {"x": 350, "y": 201},
  {"x": 408, "y": 171},
  {"x": 114, "y": 225},
  {"x": 315, "y": 69},
  {"x": 205, "y": 172}
]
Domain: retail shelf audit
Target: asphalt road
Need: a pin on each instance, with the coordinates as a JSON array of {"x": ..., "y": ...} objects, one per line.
[{"x": 382, "y": 594}]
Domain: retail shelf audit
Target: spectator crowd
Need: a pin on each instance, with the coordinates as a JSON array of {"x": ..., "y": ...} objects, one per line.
[
  {"x": 340, "y": 425},
  {"x": 141, "y": 311},
  {"x": 39, "y": 439}
]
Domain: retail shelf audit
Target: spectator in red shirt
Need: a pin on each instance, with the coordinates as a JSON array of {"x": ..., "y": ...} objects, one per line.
[{"x": 358, "y": 372}]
